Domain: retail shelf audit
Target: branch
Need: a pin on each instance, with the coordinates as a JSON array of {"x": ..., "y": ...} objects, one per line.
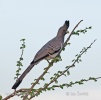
[
  {"x": 19, "y": 62},
  {"x": 70, "y": 35},
  {"x": 70, "y": 84},
  {"x": 15, "y": 93}
]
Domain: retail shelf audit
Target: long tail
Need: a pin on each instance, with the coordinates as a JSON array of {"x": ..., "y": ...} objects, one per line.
[{"x": 19, "y": 80}]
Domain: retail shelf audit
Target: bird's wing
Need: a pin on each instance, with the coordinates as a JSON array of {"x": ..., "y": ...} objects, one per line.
[{"x": 53, "y": 46}]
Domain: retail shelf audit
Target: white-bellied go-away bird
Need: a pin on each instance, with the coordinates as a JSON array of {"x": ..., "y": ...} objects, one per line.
[{"x": 49, "y": 51}]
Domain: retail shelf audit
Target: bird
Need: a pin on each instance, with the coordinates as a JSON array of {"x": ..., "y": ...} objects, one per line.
[{"x": 49, "y": 51}]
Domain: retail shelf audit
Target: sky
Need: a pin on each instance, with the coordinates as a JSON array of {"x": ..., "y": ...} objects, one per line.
[{"x": 38, "y": 22}]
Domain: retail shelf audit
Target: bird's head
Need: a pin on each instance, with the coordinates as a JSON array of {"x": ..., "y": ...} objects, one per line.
[{"x": 63, "y": 29}]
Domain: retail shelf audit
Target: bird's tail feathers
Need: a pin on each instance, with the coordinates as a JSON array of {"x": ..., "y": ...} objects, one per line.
[{"x": 19, "y": 80}]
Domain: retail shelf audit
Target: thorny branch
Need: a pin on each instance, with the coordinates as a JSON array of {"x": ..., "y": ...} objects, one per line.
[{"x": 72, "y": 83}]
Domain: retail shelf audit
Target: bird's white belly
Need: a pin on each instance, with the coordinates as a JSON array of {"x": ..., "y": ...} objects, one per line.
[{"x": 51, "y": 56}]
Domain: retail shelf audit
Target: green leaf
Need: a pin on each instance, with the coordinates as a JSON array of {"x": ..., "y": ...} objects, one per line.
[
  {"x": 71, "y": 83},
  {"x": 68, "y": 73},
  {"x": 64, "y": 75},
  {"x": 56, "y": 81},
  {"x": 52, "y": 88},
  {"x": 17, "y": 64},
  {"x": 15, "y": 77},
  {"x": 67, "y": 67},
  {"x": 90, "y": 27},
  {"x": 17, "y": 70},
  {"x": 51, "y": 78},
  {"x": 73, "y": 60},
  {"x": 35, "y": 79},
  {"x": 0, "y": 97},
  {"x": 17, "y": 74},
  {"x": 76, "y": 33},
  {"x": 21, "y": 58},
  {"x": 80, "y": 60},
  {"x": 80, "y": 82},
  {"x": 48, "y": 88},
  {"x": 76, "y": 55},
  {"x": 42, "y": 79},
  {"x": 63, "y": 49},
  {"x": 22, "y": 40},
  {"x": 59, "y": 72},
  {"x": 68, "y": 43},
  {"x": 21, "y": 47},
  {"x": 92, "y": 78},
  {"x": 61, "y": 86}
]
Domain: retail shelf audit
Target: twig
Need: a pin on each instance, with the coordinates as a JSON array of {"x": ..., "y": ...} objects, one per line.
[
  {"x": 19, "y": 62},
  {"x": 70, "y": 35},
  {"x": 77, "y": 82},
  {"x": 14, "y": 93}
]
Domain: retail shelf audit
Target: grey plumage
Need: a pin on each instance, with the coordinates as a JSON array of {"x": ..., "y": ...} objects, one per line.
[{"x": 49, "y": 51}]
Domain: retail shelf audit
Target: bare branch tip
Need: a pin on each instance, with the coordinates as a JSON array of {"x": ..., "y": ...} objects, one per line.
[{"x": 95, "y": 40}]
